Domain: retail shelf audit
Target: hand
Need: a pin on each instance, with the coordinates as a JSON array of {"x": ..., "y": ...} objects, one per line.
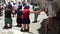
[{"x": 37, "y": 12}]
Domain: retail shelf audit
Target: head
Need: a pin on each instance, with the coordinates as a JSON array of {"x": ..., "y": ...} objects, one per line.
[
  {"x": 9, "y": 5},
  {"x": 35, "y": 4},
  {"x": 19, "y": 2},
  {"x": 9, "y": 2},
  {"x": 20, "y": 6},
  {"x": 27, "y": 6}
]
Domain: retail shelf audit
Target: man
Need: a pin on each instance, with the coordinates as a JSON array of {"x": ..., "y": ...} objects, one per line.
[
  {"x": 19, "y": 15},
  {"x": 52, "y": 8},
  {"x": 8, "y": 18},
  {"x": 35, "y": 8}
]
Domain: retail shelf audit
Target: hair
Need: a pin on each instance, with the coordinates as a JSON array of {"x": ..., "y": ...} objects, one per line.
[
  {"x": 35, "y": 4},
  {"x": 26, "y": 7},
  {"x": 20, "y": 6}
]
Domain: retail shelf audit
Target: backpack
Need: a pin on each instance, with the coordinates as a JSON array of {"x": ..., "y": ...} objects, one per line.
[{"x": 35, "y": 8}]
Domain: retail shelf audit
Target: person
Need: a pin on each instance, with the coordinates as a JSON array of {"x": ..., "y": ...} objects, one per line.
[
  {"x": 8, "y": 19},
  {"x": 19, "y": 15},
  {"x": 52, "y": 9},
  {"x": 25, "y": 19},
  {"x": 13, "y": 9},
  {"x": 1, "y": 8},
  {"x": 35, "y": 8}
]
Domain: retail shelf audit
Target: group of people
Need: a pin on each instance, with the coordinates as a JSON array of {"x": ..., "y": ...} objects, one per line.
[
  {"x": 51, "y": 10},
  {"x": 23, "y": 19},
  {"x": 22, "y": 16}
]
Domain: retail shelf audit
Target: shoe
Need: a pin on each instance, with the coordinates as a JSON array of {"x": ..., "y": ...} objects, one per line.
[
  {"x": 10, "y": 27},
  {"x": 34, "y": 21},
  {"x": 5, "y": 27},
  {"x": 22, "y": 30},
  {"x": 27, "y": 30},
  {"x": 18, "y": 25}
]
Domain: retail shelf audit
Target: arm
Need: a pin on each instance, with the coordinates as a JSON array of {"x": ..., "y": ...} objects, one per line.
[
  {"x": 36, "y": 12},
  {"x": 42, "y": 9}
]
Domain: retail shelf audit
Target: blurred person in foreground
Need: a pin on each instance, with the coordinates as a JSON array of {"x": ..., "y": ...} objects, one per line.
[{"x": 52, "y": 9}]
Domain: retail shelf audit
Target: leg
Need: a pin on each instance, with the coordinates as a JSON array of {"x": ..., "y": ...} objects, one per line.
[
  {"x": 35, "y": 18},
  {"x": 53, "y": 24},
  {"x": 10, "y": 22},
  {"x": 27, "y": 27},
  {"x": 17, "y": 22},
  {"x": 20, "y": 22},
  {"x": 10, "y": 25},
  {"x": 46, "y": 25},
  {"x": 5, "y": 27},
  {"x": 23, "y": 28}
]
